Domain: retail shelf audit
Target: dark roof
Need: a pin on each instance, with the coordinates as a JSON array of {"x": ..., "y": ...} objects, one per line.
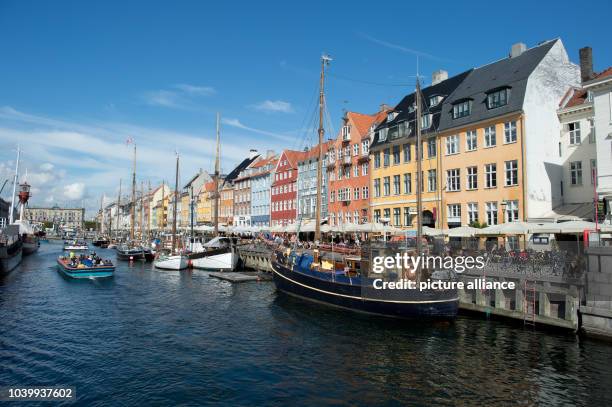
[
  {"x": 236, "y": 171},
  {"x": 512, "y": 73},
  {"x": 404, "y": 108}
]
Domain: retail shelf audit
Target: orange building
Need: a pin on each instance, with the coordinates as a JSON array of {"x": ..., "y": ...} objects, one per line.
[{"x": 348, "y": 169}]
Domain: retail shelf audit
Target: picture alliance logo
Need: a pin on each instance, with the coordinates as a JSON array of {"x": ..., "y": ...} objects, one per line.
[{"x": 459, "y": 264}]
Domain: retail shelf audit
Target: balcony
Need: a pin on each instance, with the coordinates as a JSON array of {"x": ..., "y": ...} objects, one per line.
[
  {"x": 331, "y": 163},
  {"x": 346, "y": 160},
  {"x": 364, "y": 156}
]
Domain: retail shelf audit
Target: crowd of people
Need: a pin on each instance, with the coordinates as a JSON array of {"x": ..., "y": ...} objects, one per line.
[{"x": 90, "y": 260}]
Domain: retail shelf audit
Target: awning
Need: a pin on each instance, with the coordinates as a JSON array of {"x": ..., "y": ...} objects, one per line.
[{"x": 567, "y": 212}]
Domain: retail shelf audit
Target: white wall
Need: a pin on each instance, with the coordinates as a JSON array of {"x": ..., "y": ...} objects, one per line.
[{"x": 546, "y": 86}]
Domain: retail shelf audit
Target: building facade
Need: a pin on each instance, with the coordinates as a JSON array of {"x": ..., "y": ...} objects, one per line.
[
  {"x": 307, "y": 183},
  {"x": 283, "y": 207},
  {"x": 66, "y": 218},
  {"x": 348, "y": 169},
  {"x": 261, "y": 181}
]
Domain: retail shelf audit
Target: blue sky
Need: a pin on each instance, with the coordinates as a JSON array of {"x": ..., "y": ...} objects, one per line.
[{"x": 77, "y": 78}]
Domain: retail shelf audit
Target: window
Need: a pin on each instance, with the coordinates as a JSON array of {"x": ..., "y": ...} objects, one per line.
[
  {"x": 377, "y": 215},
  {"x": 592, "y": 131},
  {"x": 396, "y": 216},
  {"x": 356, "y": 194},
  {"x": 434, "y": 100},
  {"x": 491, "y": 210},
  {"x": 593, "y": 171},
  {"x": 471, "y": 140},
  {"x": 391, "y": 116},
  {"x": 490, "y": 140},
  {"x": 346, "y": 132},
  {"x": 387, "y": 213},
  {"x": 512, "y": 211},
  {"x": 364, "y": 169},
  {"x": 472, "y": 177},
  {"x": 454, "y": 211},
  {"x": 404, "y": 129},
  {"x": 407, "y": 183},
  {"x": 462, "y": 109},
  {"x": 510, "y": 132},
  {"x": 382, "y": 134},
  {"x": 540, "y": 238},
  {"x": 426, "y": 121},
  {"x": 406, "y": 153},
  {"x": 386, "y": 157},
  {"x": 498, "y": 98},
  {"x": 377, "y": 159},
  {"x": 406, "y": 216},
  {"x": 490, "y": 175},
  {"x": 452, "y": 180},
  {"x": 387, "y": 186},
  {"x": 511, "y": 173},
  {"x": 394, "y": 132},
  {"x": 396, "y": 185},
  {"x": 452, "y": 144},
  {"x": 576, "y": 172},
  {"x": 365, "y": 146},
  {"x": 332, "y": 196},
  {"x": 355, "y": 149},
  {"x": 355, "y": 171},
  {"x": 472, "y": 211},
  {"x": 377, "y": 188},
  {"x": 432, "y": 179},
  {"x": 574, "y": 133},
  {"x": 396, "y": 155},
  {"x": 431, "y": 148},
  {"x": 365, "y": 192}
]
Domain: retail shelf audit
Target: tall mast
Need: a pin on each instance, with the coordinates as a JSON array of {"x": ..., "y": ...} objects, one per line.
[
  {"x": 419, "y": 169},
  {"x": 149, "y": 213},
  {"x": 141, "y": 210},
  {"x": 217, "y": 175},
  {"x": 118, "y": 207},
  {"x": 324, "y": 61},
  {"x": 174, "y": 206},
  {"x": 12, "y": 208},
  {"x": 101, "y": 213},
  {"x": 133, "y": 205}
]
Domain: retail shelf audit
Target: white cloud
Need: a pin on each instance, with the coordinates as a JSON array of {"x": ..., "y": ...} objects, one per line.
[
  {"x": 74, "y": 191},
  {"x": 181, "y": 96},
  {"x": 274, "y": 106},
  {"x": 238, "y": 124},
  {"x": 196, "y": 90},
  {"x": 46, "y": 167}
]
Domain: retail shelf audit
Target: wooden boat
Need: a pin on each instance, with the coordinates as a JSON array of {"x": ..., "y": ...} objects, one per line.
[
  {"x": 218, "y": 254},
  {"x": 76, "y": 245},
  {"x": 107, "y": 269},
  {"x": 125, "y": 252},
  {"x": 10, "y": 249}
]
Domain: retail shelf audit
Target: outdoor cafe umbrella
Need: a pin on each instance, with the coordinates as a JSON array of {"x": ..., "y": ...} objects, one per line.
[{"x": 463, "y": 231}]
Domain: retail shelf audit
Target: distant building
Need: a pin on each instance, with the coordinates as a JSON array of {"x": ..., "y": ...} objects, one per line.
[
  {"x": 283, "y": 200},
  {"x": 63, "y": 217},
  {"x": 260, "y": 190},
  {"x": 307, "y": 183},
  {"x": 242, "y": 191}
]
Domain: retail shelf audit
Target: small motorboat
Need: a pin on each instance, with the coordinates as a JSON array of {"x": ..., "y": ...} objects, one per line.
[
  {"x": 171, "y": 261},
  {"x": 100, "y": 242},
  {"x": 75, "y": 245},
  {"x": 217, "y": 254},
  {"x": 85, "y": 268},
  {"x": 130, "y": 252}
]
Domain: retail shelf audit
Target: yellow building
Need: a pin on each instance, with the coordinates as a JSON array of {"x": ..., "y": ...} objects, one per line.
[{"x": 205, "y": 204}]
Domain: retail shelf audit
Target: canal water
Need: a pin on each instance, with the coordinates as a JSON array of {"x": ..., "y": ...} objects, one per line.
[{"x": 151, "y": 337}]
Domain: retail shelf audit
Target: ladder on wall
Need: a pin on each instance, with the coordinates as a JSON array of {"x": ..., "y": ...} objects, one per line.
[{"x": 529, "y": 302}]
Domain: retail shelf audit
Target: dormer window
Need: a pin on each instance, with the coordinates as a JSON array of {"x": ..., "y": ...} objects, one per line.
[
  {"x": 404, "y": 129},
  {"x": 434, "y": 100},
  {"x": 391, "y": 116},
  {"x": 462, "y": 109},
  {"x": 394, "y": 132},
  {"x": 346, "y": 133},
  {"x": 426, "y": 121},
  {"x": 382, "y": 134},
  {"x": 498, "y": 98},
  {"x": 589, "y": 97},
  {"x": 412, "y": 108}
]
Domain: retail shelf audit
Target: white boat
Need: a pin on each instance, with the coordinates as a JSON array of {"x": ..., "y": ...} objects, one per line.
[
  {"x": 76, "y": 245},
  {"x": 171, "y": 262},
  {"x": 217, "y": 254}
]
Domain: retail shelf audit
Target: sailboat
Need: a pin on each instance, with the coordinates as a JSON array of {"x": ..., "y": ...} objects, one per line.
[
  {"x": 219, "y": 253},
  {"x": 131, "y": 250},
  {"x": 172, "y": 260},
  {"x": 349, "y": 282},
  {"x": 11, "y": 246}
]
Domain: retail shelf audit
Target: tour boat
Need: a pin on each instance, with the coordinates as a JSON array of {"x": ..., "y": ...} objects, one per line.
[
  {"x": 218, "y": 254},
  {"x": 100, "y": 242},
  {"x": 75, "y": 245},
  {"x": 105, "y": 269}
]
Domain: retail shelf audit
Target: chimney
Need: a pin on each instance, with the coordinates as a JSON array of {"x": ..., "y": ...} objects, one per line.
[
  {"x": 586, "y": 64},
  {"x": 252, "y": 153},
  {"x": 438, "y": 76},
  {"x": 384, "y": 107},
  {"x": 517, "y": 49}
]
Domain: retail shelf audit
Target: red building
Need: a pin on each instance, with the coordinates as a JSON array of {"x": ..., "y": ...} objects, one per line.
[
  {"x": 348, "y": 169},
  {"x": 283, "y": 208}
]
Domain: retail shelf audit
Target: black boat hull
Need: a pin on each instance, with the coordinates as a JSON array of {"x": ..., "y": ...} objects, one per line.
[
  {"x": 130, "y": 255},
  {"x": 404, "y": 304}
]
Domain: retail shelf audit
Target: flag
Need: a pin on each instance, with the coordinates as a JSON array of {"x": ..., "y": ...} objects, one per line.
[{"x": 130, "y": 140}]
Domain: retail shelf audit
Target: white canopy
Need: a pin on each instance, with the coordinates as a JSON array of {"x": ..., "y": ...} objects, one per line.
[
  {"x": 432, "y": 231},
  {"x": 576, "y": 226},
  {"x": 463, "y": 231},
  {"x": 508, "y": 228}
]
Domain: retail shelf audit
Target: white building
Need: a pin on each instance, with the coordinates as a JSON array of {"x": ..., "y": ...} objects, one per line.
[{"x": 600, "y": 87}]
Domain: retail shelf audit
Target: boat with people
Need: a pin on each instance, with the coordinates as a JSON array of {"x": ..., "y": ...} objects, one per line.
[
  {"x": 217, "y": 254},
  {"x": 71, "y": 245},
  {"x": 82, "y": 266}
]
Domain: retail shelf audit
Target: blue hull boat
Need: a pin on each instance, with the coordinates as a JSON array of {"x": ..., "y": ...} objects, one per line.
[{"x": 99, "y": 271}]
